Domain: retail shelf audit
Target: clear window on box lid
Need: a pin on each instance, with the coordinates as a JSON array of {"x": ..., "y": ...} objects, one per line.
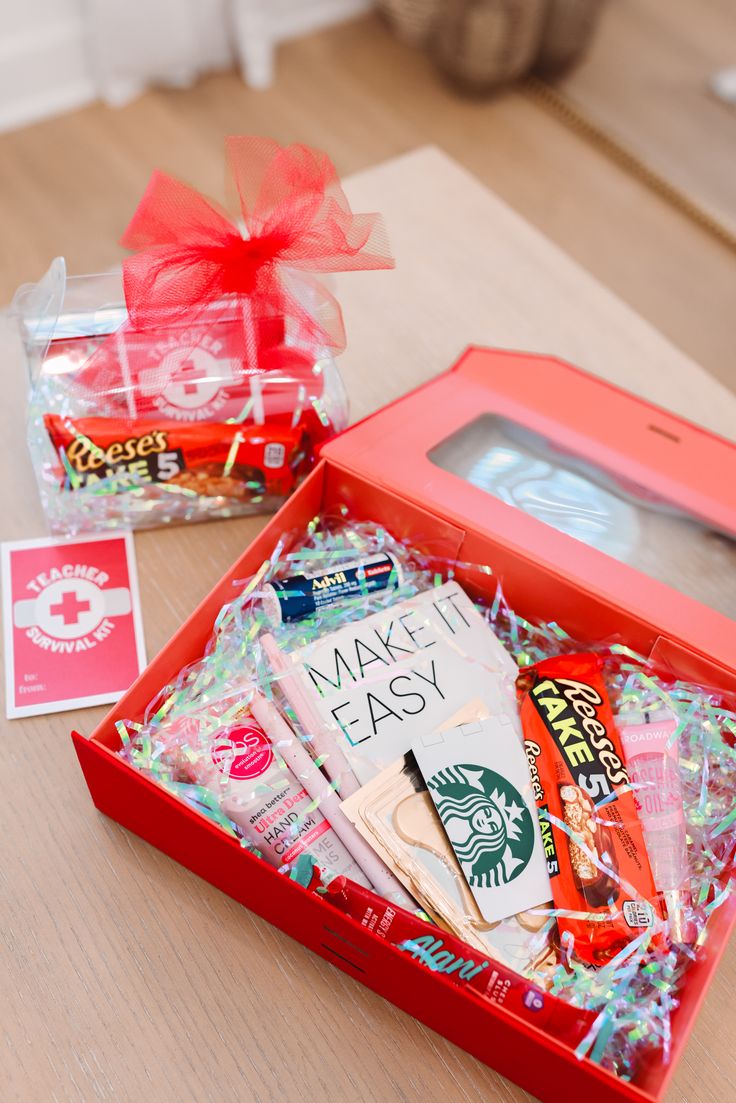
[{"x": 574, "y": 496}]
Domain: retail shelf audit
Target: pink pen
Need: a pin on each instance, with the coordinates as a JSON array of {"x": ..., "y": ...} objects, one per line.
[
  {"x": 323, "y": 741},
  {"x": 651, "y": 751},
  {"x": 289, "y": 746},
  {"x": 273, "y": 808}
]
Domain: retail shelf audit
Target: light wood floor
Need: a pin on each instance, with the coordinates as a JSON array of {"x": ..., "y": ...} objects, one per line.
[{"x": 68, "y": 186}]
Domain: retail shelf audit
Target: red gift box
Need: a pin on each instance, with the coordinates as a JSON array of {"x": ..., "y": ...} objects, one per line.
[{"x": 403, "y": 467}]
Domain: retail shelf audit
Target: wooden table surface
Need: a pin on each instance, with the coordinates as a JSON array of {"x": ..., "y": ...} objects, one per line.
[{"x": 124, "y": 977}]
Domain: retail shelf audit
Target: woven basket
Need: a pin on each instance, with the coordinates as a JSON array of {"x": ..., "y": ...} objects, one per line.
[
  {"x": 413, "y": 20},
  {"x": 481, "y": 44},
  {"x": 567, "y": 32}
]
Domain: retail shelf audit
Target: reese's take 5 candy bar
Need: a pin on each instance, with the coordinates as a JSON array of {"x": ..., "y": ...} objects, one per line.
[
  {"x": 242, "y": 462},
  {"x": 593, "y": 841}
]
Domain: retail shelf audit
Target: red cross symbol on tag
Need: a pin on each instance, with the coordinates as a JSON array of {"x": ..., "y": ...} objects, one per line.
[
  {"x": 72, "y": 622},
  {"x": 69, "y": 607}
]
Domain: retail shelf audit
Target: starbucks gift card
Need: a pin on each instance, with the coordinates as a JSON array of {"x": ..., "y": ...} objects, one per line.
[
  {"x": 395, "y": 814},
  {"x": 397, "y": 817},
  {"x": 478, "y": 779}
]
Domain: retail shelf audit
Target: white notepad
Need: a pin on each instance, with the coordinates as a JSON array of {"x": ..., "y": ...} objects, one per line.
[{"x": 402, "y": 672}]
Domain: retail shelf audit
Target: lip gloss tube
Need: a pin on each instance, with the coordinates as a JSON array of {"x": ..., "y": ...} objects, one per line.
[{"x": 651, "y": 756}]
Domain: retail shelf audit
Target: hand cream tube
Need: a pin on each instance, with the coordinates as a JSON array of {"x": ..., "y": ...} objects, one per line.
[
  {"x": 272, "y": 808},
  {"x": 651, "y": 753}
]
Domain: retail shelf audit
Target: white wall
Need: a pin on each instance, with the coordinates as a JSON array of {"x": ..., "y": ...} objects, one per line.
[{"x": 44, "y": 67}]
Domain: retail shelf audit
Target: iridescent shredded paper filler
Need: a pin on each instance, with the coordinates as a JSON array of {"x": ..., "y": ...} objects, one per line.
[{"x": 636, "y": 993}]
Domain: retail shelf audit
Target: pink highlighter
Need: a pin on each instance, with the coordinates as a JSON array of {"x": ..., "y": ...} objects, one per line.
[{"x": 651, "y": 751}]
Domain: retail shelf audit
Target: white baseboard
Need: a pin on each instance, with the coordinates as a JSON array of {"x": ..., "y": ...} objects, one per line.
[
  {"x": 45, "y": 105},
  {"x": 291, "y": 18}
]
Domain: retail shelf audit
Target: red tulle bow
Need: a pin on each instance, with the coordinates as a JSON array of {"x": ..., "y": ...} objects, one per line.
[{"x": 293, "y": 220}]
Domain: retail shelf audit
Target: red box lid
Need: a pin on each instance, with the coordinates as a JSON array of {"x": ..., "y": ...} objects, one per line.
[{"x": 434, "y": 447}]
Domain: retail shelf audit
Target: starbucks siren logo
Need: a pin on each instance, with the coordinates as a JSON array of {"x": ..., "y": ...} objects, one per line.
[{"x": 486, "y": 821}]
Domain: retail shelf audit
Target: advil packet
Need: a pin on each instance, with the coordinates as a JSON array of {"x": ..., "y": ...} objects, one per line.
[{"x": 597, "y": 861}]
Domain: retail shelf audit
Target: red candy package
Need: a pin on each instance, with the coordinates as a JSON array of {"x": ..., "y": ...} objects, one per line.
[
  {"x": 211, "y": 460},
  {"x": 446, "y": 954},
  {"x": 593, "y": 841}
]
